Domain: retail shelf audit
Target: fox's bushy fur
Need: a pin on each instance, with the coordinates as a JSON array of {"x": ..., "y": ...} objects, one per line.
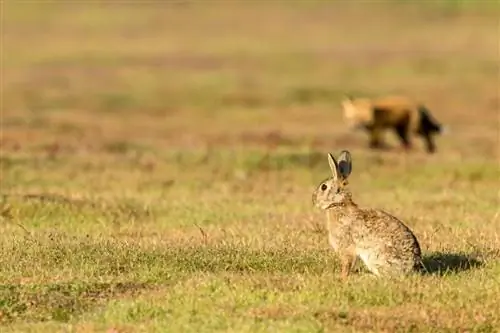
[{"x": 399, "y": 113}]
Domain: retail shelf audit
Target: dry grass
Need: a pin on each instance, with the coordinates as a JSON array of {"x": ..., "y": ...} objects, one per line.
[{"x": 158, "y": 162}]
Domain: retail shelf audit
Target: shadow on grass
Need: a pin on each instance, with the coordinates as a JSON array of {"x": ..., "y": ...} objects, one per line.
[{"x": 440, "y": 263}]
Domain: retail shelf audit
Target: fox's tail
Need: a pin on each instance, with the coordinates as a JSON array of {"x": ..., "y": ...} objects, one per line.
[{"x": 428, "y": 122}]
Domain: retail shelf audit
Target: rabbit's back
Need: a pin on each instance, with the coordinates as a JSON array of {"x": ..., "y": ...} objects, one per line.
[{"x": 384, "y": 243}]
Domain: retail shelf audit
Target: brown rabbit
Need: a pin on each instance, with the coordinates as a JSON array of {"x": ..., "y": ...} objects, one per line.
[{"x": 383, "y": 242}]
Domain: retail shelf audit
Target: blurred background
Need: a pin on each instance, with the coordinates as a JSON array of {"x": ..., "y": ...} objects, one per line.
[
  {"x": 107, "y": 76},
  {"x": 173, "y": 147}
]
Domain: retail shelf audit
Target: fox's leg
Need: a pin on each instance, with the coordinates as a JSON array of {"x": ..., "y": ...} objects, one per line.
[
  {"x": 376, "y": 133},
  {"x": 377, "y": 128},
  {"x": 402, "y": 130},
  {"x": 429, "y": 143}
]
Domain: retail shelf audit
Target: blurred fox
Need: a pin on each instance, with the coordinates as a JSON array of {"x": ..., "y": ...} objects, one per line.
[{"x": 404, "y": 116}]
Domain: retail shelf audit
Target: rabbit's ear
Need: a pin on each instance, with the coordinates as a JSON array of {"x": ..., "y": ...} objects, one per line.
[
  {"x": 345, "y": 164},
  {"x": 333, "y": 166}
]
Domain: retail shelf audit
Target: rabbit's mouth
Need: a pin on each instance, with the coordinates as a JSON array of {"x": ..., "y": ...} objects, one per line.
[
  {"x": 323, "y": 205},
  {"x": 334, "y": 205}
]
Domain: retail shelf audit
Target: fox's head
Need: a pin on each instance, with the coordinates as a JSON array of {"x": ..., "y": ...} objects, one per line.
[
  {"x": 347, "y": 101},
  {"x": 350, "y": 112}
]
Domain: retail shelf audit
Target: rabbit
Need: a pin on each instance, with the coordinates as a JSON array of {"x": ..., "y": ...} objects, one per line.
[{"x": 385, "y": 244}]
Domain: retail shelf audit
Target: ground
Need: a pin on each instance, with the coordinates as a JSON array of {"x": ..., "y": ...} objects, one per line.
[{"x": 158, "y": 162}]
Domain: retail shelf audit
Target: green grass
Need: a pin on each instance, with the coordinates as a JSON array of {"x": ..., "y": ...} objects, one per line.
[{"x": 158, "y": 161}]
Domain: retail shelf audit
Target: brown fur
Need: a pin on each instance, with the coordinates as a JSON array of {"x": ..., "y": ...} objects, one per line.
[
  {"x": 384, "y": 243},
  {"x": 404, "y": 116}
]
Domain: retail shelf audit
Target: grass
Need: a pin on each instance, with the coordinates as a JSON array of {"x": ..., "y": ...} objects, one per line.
[{"x": 158, "y": 160}]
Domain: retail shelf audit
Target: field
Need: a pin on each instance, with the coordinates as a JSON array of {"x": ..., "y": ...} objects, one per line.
[{"x": 158, "y": 162}]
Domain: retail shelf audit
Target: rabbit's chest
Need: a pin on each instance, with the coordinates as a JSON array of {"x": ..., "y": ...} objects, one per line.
[
  {"x": 333, "y": 241},
  {"x": 339, "y": 235}
]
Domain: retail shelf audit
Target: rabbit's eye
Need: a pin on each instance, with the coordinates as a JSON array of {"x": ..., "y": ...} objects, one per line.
[{"x": 323, "y": 187}]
